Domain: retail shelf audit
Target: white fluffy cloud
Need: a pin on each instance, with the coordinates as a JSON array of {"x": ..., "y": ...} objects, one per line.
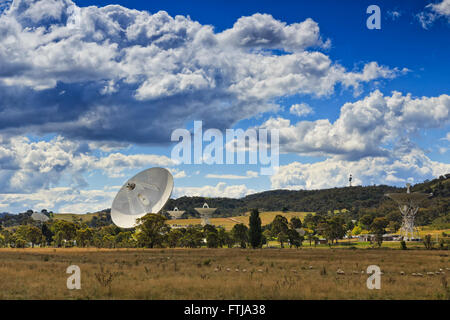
[
  {"x": 27, "y": 166},
  {"x": 219, "y": 190},
  {"x": 412, "y": 166},
  {"x": 301, "y": 109},
  {"x": 434, "y": 11},
  {"x": 62, "y": 200},
  {"x": 364, "y": 127},
  {"x": 249, "y": 174},
  {"x": 115, "y": 74},
  {"x": 441, "y": 8}
]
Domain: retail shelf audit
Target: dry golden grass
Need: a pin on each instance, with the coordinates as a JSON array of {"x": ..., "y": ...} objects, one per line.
[
  {"x": 228, "y": 223},
  {"x": 73, "y": 216},
  {"x": 40, "y": 273}
]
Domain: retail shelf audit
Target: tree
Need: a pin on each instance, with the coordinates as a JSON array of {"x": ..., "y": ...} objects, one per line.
[
  {"x": 309, "y": 221},
  {"x": 48, "y": 234},
  {"x": 64, "y": 231},
  {"x": 2, "y": 240},
  {"x": 349, "y": 226},
  {"x": 366, "y": 221},
  {"x": 356, "y": 230},
  {"x": 192, "y": 238},
  {"x": 151, "y": 230},
  {"x": 84, "y": 237},
  {"x": 212, "y": 240},
  {"x": 255, "y": 232},
  {"x": 378, "y": 227},
  {"x": 109, "y": 241},
  {"x": 240, "y": 234},
  {"x": 310, "y": 236},
  {"x": 225, "y": 238},
  {"x": 29, "y": 234},
  {"x": 427, "y": 242},
  {"x": 394, "y": 226},
  {"x": 295, "y": 239},
  {"x": 209, "y": 228},
  {"x": 333, "y": 229},
  {"x": 295, "y": 223},
  {"x": 280, "y": 229},
  {"x": 173, "y": 238}
]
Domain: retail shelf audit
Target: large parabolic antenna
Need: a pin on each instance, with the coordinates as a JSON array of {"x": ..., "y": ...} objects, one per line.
[
  {"x": 205, "y": 213},
  {"x": 175, "y": 213},
  {"x": 37, "y": 216},
  {"x": 146, "y": 192},
  {"x": 408, "y": 203}
]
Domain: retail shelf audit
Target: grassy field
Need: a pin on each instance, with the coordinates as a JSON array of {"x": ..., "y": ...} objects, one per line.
[
  {"x": 40, "y": 273},
  {"x": 75, "y": 217},
  {"x": 228, "y": 223}
]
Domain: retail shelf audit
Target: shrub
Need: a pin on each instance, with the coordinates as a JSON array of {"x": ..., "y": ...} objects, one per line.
[
  {"x": 403, "y": 245},
  {"x": 427, "y": 242}
]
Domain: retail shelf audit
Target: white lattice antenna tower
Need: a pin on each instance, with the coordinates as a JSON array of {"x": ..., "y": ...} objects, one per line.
[{"x": 408, "y": 203}]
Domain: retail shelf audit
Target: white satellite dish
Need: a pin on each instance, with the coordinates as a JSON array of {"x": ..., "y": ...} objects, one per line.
[
  {"x": 146, "y": 192},
  {"x": 37, "y": 216},
  {"x": 301, "y": 231}
]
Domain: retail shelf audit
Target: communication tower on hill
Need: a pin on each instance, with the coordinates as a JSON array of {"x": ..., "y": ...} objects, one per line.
[{"x": 408, "y": 203}]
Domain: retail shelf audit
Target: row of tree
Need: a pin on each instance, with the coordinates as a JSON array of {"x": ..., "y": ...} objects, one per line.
[{"x": 153, "y": 231}]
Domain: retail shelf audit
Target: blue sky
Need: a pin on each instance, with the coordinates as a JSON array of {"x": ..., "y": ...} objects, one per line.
[{"x": 90, "y": 94}]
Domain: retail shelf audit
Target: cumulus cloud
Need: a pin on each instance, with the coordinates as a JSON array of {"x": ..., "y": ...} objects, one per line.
[
  {"x": 412, "y": 166},
  {"x": 219, "y": 190},
  {"x": 249, "y": 175},
  {"x": 301, "y": 109},
  {"x": 60, "y": 199},
  {"x": 262, "y": 31},
  {"x": 177, "y": 173},
  {"x": 27, "y": 166},
  {"x": 365, "y": 127},
  {"x": 116, "y": 74}
]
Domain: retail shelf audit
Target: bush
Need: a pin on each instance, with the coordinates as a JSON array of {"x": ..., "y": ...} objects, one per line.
[
  {"x": 427, "y": 242},
  {"x": 403, "y": 245},
  {"x": 442, "y": 244}
]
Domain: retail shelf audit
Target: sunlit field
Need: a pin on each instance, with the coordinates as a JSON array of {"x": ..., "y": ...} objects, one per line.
[
  {"x": 228, "y": 223},
  {"x": 306, "y": 273}
]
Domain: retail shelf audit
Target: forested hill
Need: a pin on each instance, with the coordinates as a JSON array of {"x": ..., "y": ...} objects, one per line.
[
  {"x": 302, "y": 200},
  {"x": 350, "y": 198},
  {"x": 357, "y": 200}
]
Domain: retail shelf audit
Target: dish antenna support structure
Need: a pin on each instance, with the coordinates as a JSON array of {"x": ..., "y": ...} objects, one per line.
[
  {"x": 408, "y": 203},
  {"x": 175, "y": 213},
  {"x": 205, "y": 213},
  {"x": 146, "y": 192}
]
